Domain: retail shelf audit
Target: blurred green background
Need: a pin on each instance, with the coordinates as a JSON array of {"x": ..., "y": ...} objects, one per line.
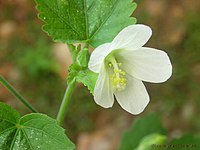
[{"x": 37, "y": 67}]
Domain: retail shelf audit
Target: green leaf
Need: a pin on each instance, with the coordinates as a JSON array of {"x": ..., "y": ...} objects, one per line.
[
  {"x": 185, "y": 142},
  {"x": 142, "y": 127},
  {"x": 8, "y": 117},
  {"x": 31, "y": 132},
  {"x": 83, "y": 57},
  {"x": 79, "y": 70},
  {"x": 88, "y": 78},
  {"x": 153, "y": 139},
  {"x": 73, "y": 71},
  {"x": 92, "y": 21},
  {"x": 83, "y": 75}
]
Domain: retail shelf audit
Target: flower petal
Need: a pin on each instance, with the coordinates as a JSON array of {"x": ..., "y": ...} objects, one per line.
[
  {"x": 134, "y": 98},
  {"x": 147, "y": 64},
  {"x": 103, "y": 94},
  {"x": 97, "y": 57},
  {"x": 132, "y": 37}
]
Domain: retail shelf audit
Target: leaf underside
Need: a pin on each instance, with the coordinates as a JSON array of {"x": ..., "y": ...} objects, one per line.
[
  {"x": 92, "y": 21},
  {"x": 30, "y": 132}
]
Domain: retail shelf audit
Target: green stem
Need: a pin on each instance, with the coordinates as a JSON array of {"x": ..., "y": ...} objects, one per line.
[
  {"x": 16, "y": 94},
  {"x": 65, "y": 102}
]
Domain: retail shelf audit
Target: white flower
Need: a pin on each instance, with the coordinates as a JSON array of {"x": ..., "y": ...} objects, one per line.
[{"x": 122, "y": 66}]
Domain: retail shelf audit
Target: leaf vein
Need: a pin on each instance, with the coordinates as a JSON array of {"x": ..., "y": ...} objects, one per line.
[
  {"x": 7, "y": 130},
  {"x": 45, "y": 133},
  {"x": 8, "y": 121},
  {"x": 14, "y": 138},
  {"x": 57, "y": 14},
  {"x": 111, "y": 12},
  {"x": 86, "y": 19},
  {"x": 27, "y": 139}
]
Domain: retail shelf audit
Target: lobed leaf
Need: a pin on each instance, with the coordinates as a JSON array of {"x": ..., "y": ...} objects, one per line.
[
  {"x": 30, "y": 132},
  {"x": 92, "y": 21}
]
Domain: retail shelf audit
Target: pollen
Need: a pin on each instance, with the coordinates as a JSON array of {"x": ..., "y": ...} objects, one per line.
[{"x": 118, "y": 76}]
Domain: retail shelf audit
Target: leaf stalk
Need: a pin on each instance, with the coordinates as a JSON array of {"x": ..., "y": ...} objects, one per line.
[
  {"x": 14, "y": 92},
  {"x": 65, "y": 102}
]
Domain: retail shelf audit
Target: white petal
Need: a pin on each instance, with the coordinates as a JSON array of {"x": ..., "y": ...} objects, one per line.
[
  {"x": 147, "y": 64},
  {"x": 97, "y": 57},
  {"x": 132, "y": 37},
  {"x": 134, "y": 98},
  {"x": 103, "y": 94}
]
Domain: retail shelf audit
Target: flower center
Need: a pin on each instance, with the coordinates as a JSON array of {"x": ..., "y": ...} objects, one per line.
[{"x": 117, "y": 77}]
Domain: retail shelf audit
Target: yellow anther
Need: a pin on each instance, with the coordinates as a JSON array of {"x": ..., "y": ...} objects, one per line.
[
  {"x": 116, "y": 71},
  {"x": 117, "y": 78},
  {"x": 122, "y": 73}
]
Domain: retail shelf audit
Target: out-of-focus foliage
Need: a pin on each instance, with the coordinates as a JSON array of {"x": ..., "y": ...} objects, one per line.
[
  {"x": 141, "y": 128},
  {"x": 37, "y": 60},
  {"x": 81, "y": 120},
  {"x": 185, "y": 142},
  {"x": 153, "y": 139},
  {"x": 147, "y": 133}
]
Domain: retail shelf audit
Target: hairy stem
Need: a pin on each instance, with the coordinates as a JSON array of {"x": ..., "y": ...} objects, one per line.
[
  {"x": 65, "y": 102},
  {"x": 16, "y": 94}
]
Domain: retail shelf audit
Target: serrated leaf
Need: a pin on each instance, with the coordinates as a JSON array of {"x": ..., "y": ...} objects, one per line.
[
  {"x": 73, "y": 71},
  {"x": 30, "y": 132},
  {"x": 94, "y": 21},
  {"x": 82, "y": 75},
  {"x": 88, "y": 78},
  {"x": 141, "y": 127}
]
